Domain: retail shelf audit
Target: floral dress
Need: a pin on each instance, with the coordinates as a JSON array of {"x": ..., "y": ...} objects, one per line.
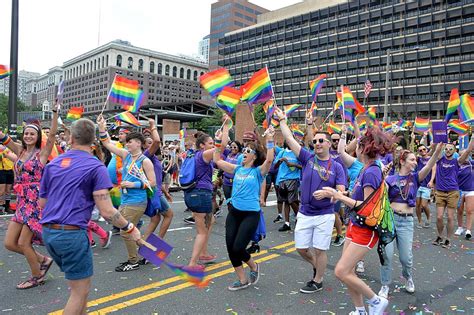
[{"x": 27, "y": 183}]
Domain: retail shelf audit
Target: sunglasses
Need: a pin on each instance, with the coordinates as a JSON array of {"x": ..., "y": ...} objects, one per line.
[
  {"x": 321, "y": 140},
  {"x": 422, "y": 150},
  {"x": 248, "y": 150},
  {"x": 234, "y": 147},
  {"x": 335, "y": 140}
]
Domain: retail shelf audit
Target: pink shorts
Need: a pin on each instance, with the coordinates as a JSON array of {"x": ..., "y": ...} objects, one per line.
[{"x": 361, "y": 236}]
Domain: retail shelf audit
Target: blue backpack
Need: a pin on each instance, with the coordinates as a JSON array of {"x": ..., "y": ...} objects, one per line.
[{"x": 187, "y": 174}]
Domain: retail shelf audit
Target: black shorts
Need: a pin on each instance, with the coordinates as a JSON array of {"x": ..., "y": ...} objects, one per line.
[
  {"x": 6, "y": 177},
  {"x": 288, "y": 191}
]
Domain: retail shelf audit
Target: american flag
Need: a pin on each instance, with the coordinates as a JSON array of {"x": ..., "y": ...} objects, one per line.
[{"x": 367, "y": 88}]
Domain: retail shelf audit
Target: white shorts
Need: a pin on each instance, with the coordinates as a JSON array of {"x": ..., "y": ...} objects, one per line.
[
  {"x": 314, "y": 231},
  {"x": 468, "y": 193}
]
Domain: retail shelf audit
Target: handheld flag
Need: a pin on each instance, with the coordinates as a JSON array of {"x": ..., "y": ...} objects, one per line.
[
  {"x": 155, "y": 250},
  {"x": 387, "y": 126},
  {"x": 453, "y": 104},
  {"x": 258, "y": 89},
  {"x": 214, "y": 81},
  {"x": 316, "y": 85},
  {"x": 466, "y": 109},
  {"x": 59, "y": 96},
  {"x": 269, "y": 109},
  {"x": 403, "y": 124},
  {"x": 372, "y": 113},
  {"x": 333, "y": 127},
  {"x": 74, "y": 113},
  {"x": 228, "y": 99},
  {"x": 182, "y": 133},
  {"x": 290, "y": 109},
  {"x": 456, "y": 126},
  {"x": 297, "y": 132},
  {"x": 422, "y": 125},
  {"x": 128, "y": 118},
  {"x": 367, "y": 88},
  {"x": 136, "y": 104},
  {"x": 124, "y": 91},
  {"x": 4, "y": 71}
]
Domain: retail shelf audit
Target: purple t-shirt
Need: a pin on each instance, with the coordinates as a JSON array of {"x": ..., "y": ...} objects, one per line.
[
  {"x": 311, "y": 181},
  {"x": 447, "y": 174},
  {"x": 421, "y": 162},
  {"x": 466, "y": 176},
  {"x": 231, "y": 158},
  {"x": 203, "y": 172},
  {"x": 158, "y": 171},
  {"x": 370, "y": 177},
  {"x": 68, "y": 183},
  {"x": 398, "y": 191}
]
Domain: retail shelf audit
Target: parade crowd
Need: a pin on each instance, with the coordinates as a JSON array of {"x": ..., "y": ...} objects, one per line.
[{"x": 65, "y": 181}]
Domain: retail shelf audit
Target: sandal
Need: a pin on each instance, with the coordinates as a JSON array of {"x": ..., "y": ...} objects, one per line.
[
  {"x": 45, "y": 265},
  {"x": 30, "y": 283}
]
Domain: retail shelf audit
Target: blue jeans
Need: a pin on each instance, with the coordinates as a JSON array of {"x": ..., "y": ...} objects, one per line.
[{"x": 404, "y": 240}]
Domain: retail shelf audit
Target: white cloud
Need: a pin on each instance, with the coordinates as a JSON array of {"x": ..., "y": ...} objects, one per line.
[{"x": 53, "y": 31}]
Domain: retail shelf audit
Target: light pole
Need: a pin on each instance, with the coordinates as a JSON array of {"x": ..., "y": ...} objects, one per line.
[{"x": 13, "y": 88}]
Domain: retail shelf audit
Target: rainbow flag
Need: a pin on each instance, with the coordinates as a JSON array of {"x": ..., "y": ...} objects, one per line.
[
  {"x": 348, "y": 98},
  {"x": 258, "y": 89},
  {"x": 316, "y": 85},
  {"x": 182, "y": 133},
  {"x": 136, "y": 104},
  {"x": 403, "y": 123},
  {"x": 362, "y": 125},
  {"x": 372, "y": 113},
  {"x": 453, "y": 104},
  {"x": 269, "y": 109},
  {"x": 214, "y": 81},
  {"x": 333, "y": 127},
  {"x": 297, "y": 132},
  {"x": 313, "y": 108},
  {"x": 348, "y": 115},
  {"x": 190, "y": 274},
  {"x": 290, "y": 109},
  {"x": 387, "y": 126},
  {"x": 458, "y": 127},
  {"x": 4, "y": 71},
  {"x": 128, "y": 118},
  {"x": 350, "y": 128},
  {"x": 422, "y": 124},
  {"x": 75, "y": 113},
  {"x": 466, "y": 108},
  {"x": 228, "y": 99},
  {"x": 124, "y": 91},
  {"x": 275, "y": 123}
]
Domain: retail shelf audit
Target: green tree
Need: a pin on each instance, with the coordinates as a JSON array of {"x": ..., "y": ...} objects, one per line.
[
  {"x": 4, "y": 109},
  {"x": 259, "y": 114}
]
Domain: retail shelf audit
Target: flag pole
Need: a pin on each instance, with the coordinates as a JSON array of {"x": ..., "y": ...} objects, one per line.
[
  {"x": 343, "y": 109},
  {"x": 108, "y": 95}
]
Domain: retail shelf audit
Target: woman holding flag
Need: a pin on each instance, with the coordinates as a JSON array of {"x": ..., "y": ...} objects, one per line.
[{"x": 244, "y": 206}]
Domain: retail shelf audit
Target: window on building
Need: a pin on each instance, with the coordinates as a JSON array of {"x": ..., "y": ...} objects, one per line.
[
  {"x": 181, "y": 73},
  {"x": 140, "y": 65},
  {"x": 119, "y": 60},
  {"x": 95, "y": 65},
  {"x": 188, "y": 74},
  {"x": 175, "y": 71},
  {"x": 87, "y": 67},
  {"x": 107, "y": 60},
  {"x": 152, "y": 67},
  {"x": 103, "y": 62},
  {"x": 167, "y": 70},
  {"x": 160, "y": 68},
  {"x": 130, "y": 63},
  {"x": 195, "y": 75}
]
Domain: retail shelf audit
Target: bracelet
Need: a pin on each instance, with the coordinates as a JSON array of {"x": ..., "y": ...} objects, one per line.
[
  {"x": 270, "y": 145},
  {"x": 218, "y": 145},
  {"x": 280, "y": 119},
  {"x": 131, "y": 230},
  {"x": 128, "y": 227},
  {"x": 218, "y": 141},
  {"x": 154, "y": 128},
  {"x": 7, "y": 141}
]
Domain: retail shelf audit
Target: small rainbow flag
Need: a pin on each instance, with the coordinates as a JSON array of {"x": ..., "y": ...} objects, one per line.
[
  {"x": 136, "y": 104},
  {"x": 458, "y": 127},
  {"x": 403, "y": 123},
  {"x": 128, "y": 118},
  {"x": 4, "y": 71},
  {"x": 466, "y": 109},
  {"x": 191, "y": 274},
  {"x": 387, "y": 126},
  {"x": 333, "y": 127},
  {"x": 269, "y": 109},
  {"x": 453, "y": 104},
  {"x": 348, "y": 116},
  {"x": 372, "y": 113},
  {"x": 275, "y": 123},
  {"x": 362, "y": 125},
  {"x": 182, "y": 133},
  {"x": 349, "y": 99},
  {"x": 297, "y": 132},
  {"x": 316, "y": 85},
  {"x": 214, "y": 81},
  {"x": 228, "y": 99},
  {"x": 422, "y": 124},
  {"x": 258, "y": 89},
  {"x": 124, "y": 91},
  {"x": 290, "y": 109},
  {"x": 350, "y": 128},
  {"x": 75, "y": 113}
]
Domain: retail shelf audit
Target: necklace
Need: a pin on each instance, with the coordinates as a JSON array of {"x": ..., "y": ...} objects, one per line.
[
  {"x": 406, "y": 189},
  {"x": 136, "y": 154},
  {"x": 324, "y": 177}
]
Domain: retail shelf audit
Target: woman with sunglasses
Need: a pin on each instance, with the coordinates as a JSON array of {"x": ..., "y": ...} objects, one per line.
[
  {"x": 360, "y": 239},
  {"x": 402, "y": 189},
  {"x": 244, "y": 206}
]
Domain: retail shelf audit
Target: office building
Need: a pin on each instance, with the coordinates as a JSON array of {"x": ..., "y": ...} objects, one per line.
[
  {"x": 23, "y": 77},
  {"x": 41, "y": 91},
  {"x": 163, "y": 78},
  {"x": 429, "y": 46},
  {"x": 226, "y": 16},
  {"x": 203, "y": 49}
]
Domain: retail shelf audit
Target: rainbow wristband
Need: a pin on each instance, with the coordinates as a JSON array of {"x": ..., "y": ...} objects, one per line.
[{"x": 7, "y": 141}]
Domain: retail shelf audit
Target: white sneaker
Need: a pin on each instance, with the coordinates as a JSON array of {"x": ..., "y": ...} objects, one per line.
[
  {"x": 409, "y": 286},
  {"x": 377, "y": 309},
  {"x": 384, "y": 291},
  {"x": 468, "y": 234},
  {"x": 459, "y": 231},
  {"x": 360, "y": 267}
]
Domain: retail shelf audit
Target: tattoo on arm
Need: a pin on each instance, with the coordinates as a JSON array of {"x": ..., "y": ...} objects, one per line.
[
  {"x": 113, "y": 219},
  {"x": 101, "y": 197}
]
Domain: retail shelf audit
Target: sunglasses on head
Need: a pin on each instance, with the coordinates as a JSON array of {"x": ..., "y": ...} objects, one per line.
[
  {"x": 248, "y": 150},
  {"x": 320, "y": 140}
]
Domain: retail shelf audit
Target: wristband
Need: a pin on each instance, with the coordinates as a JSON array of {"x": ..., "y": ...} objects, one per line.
[
  {"x": 218, "y": 145},
  {"x": 131, "y": 230},
  {"x": 270, "y": 145},
  {"x": 218, "y": 141},
  {"x": 154, "y": 128},
  {"x": 128, "y": 227},
  {"x": 7, "y": 141},
  {"x": 137, "y": 185}
]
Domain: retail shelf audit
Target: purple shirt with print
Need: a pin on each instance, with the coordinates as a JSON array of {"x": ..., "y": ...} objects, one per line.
[
  {"x": 203, "y": 172},
  {"x": 231, "y": 158},
  {"x": 158, "y": 171},
  {"x": 370, "y": 177},
  {"x": 397, "y": 191},
  {"x": 311, "y": 181},
  {"x": 447, "y": 174},
  {"x": 466, "y": 176},
  {"x": 68, "y": 183},
  {"x": 421, "y": 162}
]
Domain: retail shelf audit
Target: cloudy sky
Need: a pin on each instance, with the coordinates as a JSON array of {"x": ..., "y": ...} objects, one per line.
[{"x": 53, "y": 31}]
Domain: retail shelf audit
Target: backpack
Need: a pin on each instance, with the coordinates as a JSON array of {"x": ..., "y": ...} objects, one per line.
[{"x": 187, "y": 174}]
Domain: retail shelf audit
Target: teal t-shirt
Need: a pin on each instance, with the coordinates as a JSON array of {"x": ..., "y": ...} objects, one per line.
[
  {"x": 285, "y": 172},
  {"x": 246, "y": 188}
]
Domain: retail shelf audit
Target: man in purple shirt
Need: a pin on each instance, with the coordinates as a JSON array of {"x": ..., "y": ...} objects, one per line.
[
  {"x": 447, "y": 191},
  {"x": 316, "y": 214},
  {"x": 71, "y": 185}
]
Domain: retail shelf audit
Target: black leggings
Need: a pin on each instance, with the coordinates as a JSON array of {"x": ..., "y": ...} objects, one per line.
[
  {"x": 240, "y": 227},
  {"x": 227, "y": 191}
]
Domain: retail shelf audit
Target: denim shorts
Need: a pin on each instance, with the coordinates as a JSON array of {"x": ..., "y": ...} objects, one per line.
[
  {"x": 423, "y": 193},
  {"x": 199, "y": 200},
  {"x": 71, "y": 251}
]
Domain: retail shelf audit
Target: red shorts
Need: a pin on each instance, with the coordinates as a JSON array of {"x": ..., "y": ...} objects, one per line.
[{"x": 362, "y": 236}]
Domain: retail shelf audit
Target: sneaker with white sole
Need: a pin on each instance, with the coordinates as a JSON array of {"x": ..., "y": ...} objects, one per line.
[
  {"x": 254, "y": 275},
  {"x": 378, "y": 307},
  {"x": 410, "y": 285},
  {"x": 237, "y": 285},
  {"x": 339, "y": 240},
  {"x": 105, "y": 242},
  {"x": 360, "y": 267},
  {"x": 384, "y": 290},
  {"x": 468, "y": 234},
  {"x": 127, "y": 266},
  {"x": 459, "y": 231},
  {"x": 312, "y": 287}
]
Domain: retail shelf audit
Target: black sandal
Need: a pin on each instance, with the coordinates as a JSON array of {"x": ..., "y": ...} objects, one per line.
[
  {"x": 30, "y": 283},
  {"x": 45, "y": 265}
]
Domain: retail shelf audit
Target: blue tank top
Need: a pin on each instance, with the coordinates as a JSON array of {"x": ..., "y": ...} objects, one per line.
[{"x": 131, "y": 171}]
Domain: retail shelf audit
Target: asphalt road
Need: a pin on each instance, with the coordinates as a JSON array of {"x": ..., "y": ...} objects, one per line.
[{"x": 443, "y": 279}]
